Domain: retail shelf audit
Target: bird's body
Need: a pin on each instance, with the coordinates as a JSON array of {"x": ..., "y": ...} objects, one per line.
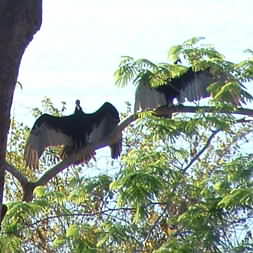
[
  {"x": 73, "y": 132},
  {"x": 191, "y": 86}
]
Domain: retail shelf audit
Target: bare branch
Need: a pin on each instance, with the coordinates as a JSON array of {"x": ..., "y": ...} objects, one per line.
[
  {"x": 16, "y": 173},
  {"x": 51, "y": 173},
  {"x": 83, "y": 214},
  {"x": 154, "y": 225},
  {"x": 28, "y": 187},
  {"x": 196, "y": 157},
  {"x": 167, "y": 110}
]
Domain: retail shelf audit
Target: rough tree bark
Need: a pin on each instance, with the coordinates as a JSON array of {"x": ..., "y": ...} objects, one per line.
[{"x": 19, "y": 21}]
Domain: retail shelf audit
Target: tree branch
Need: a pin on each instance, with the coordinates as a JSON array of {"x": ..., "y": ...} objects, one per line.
[
  {"x": 28, "y": 187},
  {"x": 51, "y": 173},
  {"x": 167, "y": 110},
  {"x": 196, "y": 157},
  {"x": 16, "y": 173}
]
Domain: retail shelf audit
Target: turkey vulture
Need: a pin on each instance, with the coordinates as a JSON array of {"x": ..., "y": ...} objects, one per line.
[
  {"x": 191, "y": 86},
  {"x": 73, "y": 132}
]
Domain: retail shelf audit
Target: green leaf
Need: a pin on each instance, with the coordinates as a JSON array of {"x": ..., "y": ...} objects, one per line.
[
  {"x": 40, "y": 191},
  {"x": 174, "y": 53},
  {"x": 72, "y": 231},
  {"x": 193, "y": 41},
  {"x": 58, "y": 242}
]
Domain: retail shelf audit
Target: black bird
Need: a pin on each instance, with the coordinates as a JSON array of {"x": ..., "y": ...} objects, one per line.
[
  {"x": 74, "y": 132},
  {"x": 191, "y": 86}
]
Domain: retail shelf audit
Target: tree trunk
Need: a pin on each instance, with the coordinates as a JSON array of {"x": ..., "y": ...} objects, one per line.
[{"x": 19, "y": 21}]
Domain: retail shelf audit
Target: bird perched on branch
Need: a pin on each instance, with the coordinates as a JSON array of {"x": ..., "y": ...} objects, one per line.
[
  {"x": 73, "y": 132},
  {"x": 190, "y": 86}
]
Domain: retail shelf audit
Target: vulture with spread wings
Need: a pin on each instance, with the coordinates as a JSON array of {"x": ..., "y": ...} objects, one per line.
[
  {"x": 73, "y": 132},
  {"x": 190, "y": 86}
]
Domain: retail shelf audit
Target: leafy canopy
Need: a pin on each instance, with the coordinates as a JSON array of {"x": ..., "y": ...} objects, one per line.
[{"x": 189, "y": 54}]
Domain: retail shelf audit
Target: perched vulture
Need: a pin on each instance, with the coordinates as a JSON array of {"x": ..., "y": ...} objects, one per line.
[
  {"x": 191, "y": 86},
  {"x": 73, "y": 132}
]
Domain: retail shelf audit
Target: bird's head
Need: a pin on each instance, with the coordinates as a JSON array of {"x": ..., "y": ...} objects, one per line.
[{"x": 78, "y": 106}]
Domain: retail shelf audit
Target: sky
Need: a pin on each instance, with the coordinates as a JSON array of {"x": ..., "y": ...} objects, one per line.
[{"x": 80, "y": 44}]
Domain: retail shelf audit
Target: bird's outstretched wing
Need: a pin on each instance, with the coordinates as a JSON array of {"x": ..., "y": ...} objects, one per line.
[
  {"x": 74, "y": 133},
  {"x": 109, "y": 118},
  {"x": 44, "y": 134},
  {"x": 147, "y": 98},
  {"x": 220, "y": 85},
  {"x": 192, "y": 86}
]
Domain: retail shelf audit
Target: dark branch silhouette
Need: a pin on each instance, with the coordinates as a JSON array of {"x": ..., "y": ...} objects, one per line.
[{"x": 165, "y": 110}]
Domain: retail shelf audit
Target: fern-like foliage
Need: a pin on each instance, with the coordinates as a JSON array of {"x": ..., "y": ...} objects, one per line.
[
  {"x": 195, "y": 56},
  {"x": 129, "y": 69}
]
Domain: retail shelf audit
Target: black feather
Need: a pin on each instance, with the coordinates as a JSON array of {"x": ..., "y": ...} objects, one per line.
[{"x": 174, "y": 86}]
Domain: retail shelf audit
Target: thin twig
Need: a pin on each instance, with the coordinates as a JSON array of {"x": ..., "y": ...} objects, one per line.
[
  {"x": 103, "y": 212},
  {"x": 196, "y": 157}
]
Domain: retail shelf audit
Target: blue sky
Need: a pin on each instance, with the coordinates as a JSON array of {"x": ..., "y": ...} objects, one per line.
[{"x": 80, "y": 43}]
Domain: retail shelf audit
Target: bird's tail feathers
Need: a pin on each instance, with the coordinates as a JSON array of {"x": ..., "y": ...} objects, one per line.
[
  {"x": 31, "y": 157},
  {"x": 78, "y": 155},
  {"x": 116, "y": 149}
]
